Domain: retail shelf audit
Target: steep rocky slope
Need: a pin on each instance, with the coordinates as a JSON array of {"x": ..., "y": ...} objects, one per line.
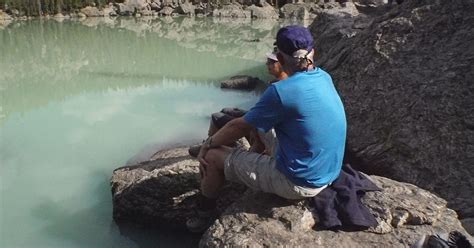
[{"x": 406, "y": 78}]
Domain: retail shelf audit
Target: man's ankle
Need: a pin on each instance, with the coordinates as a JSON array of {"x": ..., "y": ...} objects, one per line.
[
  {"x": 205, "y": 203},
  {"x": 206, "y": 214}
]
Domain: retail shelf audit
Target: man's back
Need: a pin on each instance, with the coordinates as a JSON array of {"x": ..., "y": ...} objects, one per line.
[
  {"x": 309, "y": 120},
  {"x": 312, "y": 135}
]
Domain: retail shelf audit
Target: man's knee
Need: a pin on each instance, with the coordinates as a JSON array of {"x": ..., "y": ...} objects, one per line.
[{"x": 216, "y": 158}]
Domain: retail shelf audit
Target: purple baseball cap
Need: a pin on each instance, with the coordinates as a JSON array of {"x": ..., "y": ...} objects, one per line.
[{"x": 293, "y": 38}]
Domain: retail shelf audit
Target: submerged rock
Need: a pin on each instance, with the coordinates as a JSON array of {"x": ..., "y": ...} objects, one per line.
[
  {"x": 241, "y": 83},
  {"x": 405, "y": 78}
]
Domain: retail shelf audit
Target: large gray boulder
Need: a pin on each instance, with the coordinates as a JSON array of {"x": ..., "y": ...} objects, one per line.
[
  {"x": 160, "y": 193},
  {"x": 109, "y": 10},
  {"x": 4, "y": 16},
  {"x": 406, "y": 79},
  {"x": 186, "y": 8},
  {"x": 299, "y": 11},
  {"x": 166, "y": 11},
  {"x": 233, "y": 10},
  {"x": 405, "y": 213},
  {"x": 5, "y": 19},
  {"x": 90, "y": 11},
  {"x": 304, "y": 11},
  {"x": 130, "y": 7},
  {"x": 263, "y": 12}
]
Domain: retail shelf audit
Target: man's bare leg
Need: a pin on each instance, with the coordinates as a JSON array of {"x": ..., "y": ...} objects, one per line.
[{"x": 213, "y": 178}]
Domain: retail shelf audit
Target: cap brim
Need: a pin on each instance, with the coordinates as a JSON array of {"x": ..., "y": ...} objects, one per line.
[{"x": 272, "y": 56}]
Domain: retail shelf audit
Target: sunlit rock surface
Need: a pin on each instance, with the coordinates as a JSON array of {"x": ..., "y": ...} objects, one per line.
[
  {"x": 405, "y": 74},
  {"x": 308, "y": 11},
  {"x": 5, "y": 19},
  {"x": 234, "y": 10},
  {"x": 266, "y": 11},
  {"x": 161, "y": 192},
  {"x": 404, "y": 212},
  {"x": 130, "y": 7}
]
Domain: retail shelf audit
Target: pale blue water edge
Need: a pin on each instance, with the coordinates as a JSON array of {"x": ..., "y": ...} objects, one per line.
[{"x": 79, "y": 99}]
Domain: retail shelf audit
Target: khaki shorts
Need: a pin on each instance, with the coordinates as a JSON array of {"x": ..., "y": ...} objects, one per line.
[{"x": 258, "y": 172}]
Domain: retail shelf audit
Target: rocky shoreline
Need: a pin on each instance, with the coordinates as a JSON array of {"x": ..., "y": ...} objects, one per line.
[
  {"x": 160, "y": 194},
  {"x": 244, "y": 9}
]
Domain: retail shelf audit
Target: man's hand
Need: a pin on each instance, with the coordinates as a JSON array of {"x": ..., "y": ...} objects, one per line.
[
  {"x": 202, "y": 153},
  {"x": 232, "y": 131}
]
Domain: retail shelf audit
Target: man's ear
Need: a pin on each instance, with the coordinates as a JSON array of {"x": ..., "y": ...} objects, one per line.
[
  {"x": 314, "y": 55},
  {"x": 280, "y": 59}
]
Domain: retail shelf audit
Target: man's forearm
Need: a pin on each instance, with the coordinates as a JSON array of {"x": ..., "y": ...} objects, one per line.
[{"x": 231, "y": 132}]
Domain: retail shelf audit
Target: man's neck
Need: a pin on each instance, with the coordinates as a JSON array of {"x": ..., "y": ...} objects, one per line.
[{"x": 309, "y": 68}]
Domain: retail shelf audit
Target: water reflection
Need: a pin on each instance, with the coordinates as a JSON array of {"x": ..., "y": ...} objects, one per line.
[{"x": 44, "y": 61}]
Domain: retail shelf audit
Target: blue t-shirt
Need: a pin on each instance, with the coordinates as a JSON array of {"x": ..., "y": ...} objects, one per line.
[{"x": 310, "y": 124}]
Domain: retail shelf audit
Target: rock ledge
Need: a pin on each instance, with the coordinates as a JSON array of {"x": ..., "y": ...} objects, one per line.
[{"x": 161, "y": 192}]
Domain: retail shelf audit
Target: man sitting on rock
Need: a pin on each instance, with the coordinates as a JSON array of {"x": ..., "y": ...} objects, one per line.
[{"x": 309, "y": 120}]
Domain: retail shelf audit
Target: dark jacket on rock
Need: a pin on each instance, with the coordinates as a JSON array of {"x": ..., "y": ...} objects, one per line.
[{"x": 339, "y": 206}]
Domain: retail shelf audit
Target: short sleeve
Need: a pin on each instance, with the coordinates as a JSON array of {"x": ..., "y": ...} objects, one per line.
[{"x": 267, "y": 112}]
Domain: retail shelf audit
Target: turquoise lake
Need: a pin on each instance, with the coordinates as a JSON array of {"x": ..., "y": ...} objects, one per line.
[{"x": 81, "y": 98}]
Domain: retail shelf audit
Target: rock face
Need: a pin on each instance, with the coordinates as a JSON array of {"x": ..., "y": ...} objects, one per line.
[
  {"x": 468, "y": 224},
  {"x": 404, "y": 212},
  {"x": 406, "y": 79},
  {"x": 241, "y": 83},
  {"x": 161, "y": 192}
]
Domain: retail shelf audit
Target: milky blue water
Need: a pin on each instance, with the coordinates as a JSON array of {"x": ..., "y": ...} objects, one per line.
[{"x": 80, "y": 98}]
